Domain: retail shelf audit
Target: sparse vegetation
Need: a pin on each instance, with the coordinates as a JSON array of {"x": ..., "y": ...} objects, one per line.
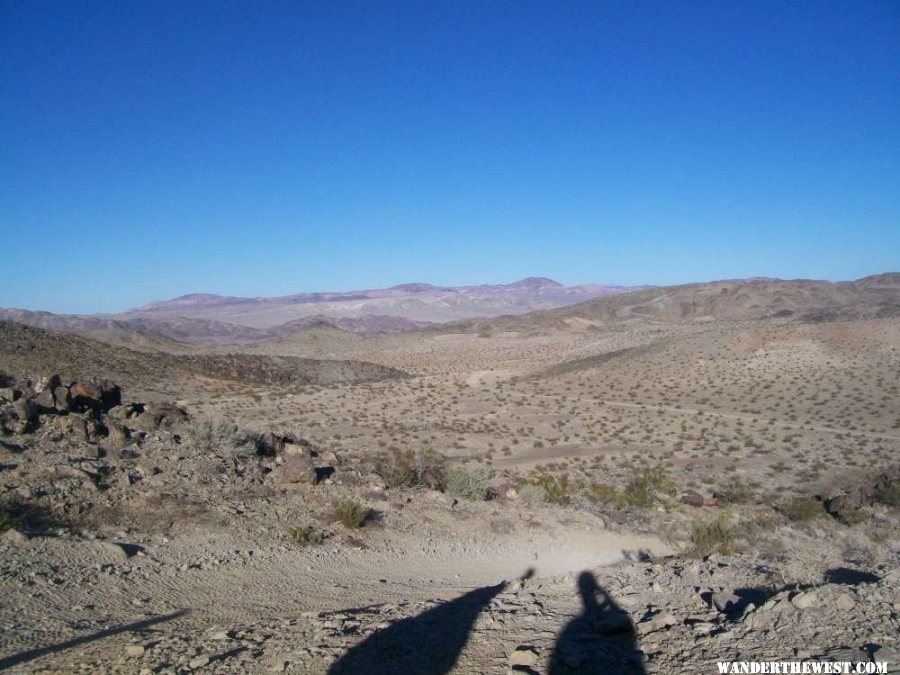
[
  {"x": 889, "y": 496},
  {"x": 407, "y": 468},
  {"x": 711, "y": 536},
  {"x": 469, "y": 482},
  {"x": 307, "y": 535},
  {"x": 801, "y": 509},
  {"x": 647, "y": 486},
  {"x": 350, "y": 513},
  {"x": 8, "y": 521},
  {"x": 211, "y": 436}
]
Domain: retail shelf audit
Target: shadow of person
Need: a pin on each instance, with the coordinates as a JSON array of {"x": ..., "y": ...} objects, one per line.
[
  {"x": 24, "y": 657},
  {"x": 429, "y": 643},
  {"x": 599, "y": 640}
]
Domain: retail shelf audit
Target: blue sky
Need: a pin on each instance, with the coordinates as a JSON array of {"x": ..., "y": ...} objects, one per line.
[{"x": 150, "y": 149}]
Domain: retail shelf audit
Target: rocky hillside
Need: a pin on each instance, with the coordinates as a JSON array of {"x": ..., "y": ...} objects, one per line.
[
  {"x": 741, "y": 300},
  {"x": 28, "y": 349}
]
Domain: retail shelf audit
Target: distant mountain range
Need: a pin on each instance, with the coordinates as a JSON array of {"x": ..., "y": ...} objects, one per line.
[
  {"x": 207, "y": 317},
  {"x": 533, "y": 304},
  {"x": 417, "y": 302}
]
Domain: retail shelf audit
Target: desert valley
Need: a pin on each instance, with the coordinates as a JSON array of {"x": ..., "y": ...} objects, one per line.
[{"x": 425, "y": 480}]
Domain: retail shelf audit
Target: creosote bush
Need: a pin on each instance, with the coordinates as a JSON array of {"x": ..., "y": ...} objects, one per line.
[
  {"x": 307, "y": 535},
  {"x": 557, "y": 488},
  {"x": 646, "y": 486},
  {"x": 350, "y": 513},
  {"x": 209, "y": 436},
  {"x": 533, "y": 495},
  {"x": 603, "y": 494},
  {"x": 8, "y": 521},
  {"x": 801, "y": 509},
  {"x": 407, "y": 468},
  {"x": 889, "y": 496},
  {"x": 712, "y": 536},
  {"x": 469, "y": 482}
]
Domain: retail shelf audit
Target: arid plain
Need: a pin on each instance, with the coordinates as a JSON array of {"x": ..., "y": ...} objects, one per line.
[{"x": 721, "y": 459}]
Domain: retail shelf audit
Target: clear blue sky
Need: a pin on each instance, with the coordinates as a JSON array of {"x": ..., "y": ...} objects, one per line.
[{"x": 150, "y": 149}]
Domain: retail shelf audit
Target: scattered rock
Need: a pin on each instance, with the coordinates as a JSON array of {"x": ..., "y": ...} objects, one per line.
[
  {"x": 725, "y": 602},
  {"x": 692, "y": 498},
  {"x": 523, "y": 656},
  {"x": 297, "y": 469},
  {"x": 13, "y": 536}
]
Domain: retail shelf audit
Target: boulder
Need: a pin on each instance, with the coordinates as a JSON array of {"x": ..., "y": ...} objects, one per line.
[
  {"x": 87, "y": 390},
  {"x": 297, "y": 469},
  {"x": 725, "y": 602},
  {"x": 851, "y": 501},
  {"x": 692, "y": 498},
  {"x": 842, "y": 504},
  {"x": 117, "y": 434},
  {"x": 270, "y": 444},
  {"x": 27, "y": 411},
  {"x": 80, "y": 426},
  {"x": 162, "y": 416},
  {"x": 62, "y": 399},
  {"x": 44, "y": 401}
]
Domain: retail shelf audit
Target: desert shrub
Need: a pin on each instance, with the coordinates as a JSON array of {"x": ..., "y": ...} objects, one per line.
[
  {"x": 306, "y": 535},
  {"x": 208, "y": 436},
  {"x": 8, "y": 521},
  {"x": 407, "y": 468},
  {"x": 801, "y": 509},
  {"x": 469, "y": 482},
  {"x": 603, "y": 494},
  {"x": 350, "y": 513},
  {"x": 557, "y": 488},
  {"x": 738, "y": 493},
  {"x": 889, "y": 496},
  {"x": 532, "y": 495},
  {"x": 646, "y": 486},
  {"x": 712, "y": 536}
]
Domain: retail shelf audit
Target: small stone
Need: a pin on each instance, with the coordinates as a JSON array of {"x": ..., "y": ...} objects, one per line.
[
  {"x": 134, "y": 650},
  {"x": 656, "y": 622},
  {"x": 844, "y": 602},
  {"x": 725, "y": 602},
  {"x": 14, "y": 537},
  {"x": 804, "y": 600},
  {"x": 199, "y": 661},
  {"x": 523, "y": 656}
]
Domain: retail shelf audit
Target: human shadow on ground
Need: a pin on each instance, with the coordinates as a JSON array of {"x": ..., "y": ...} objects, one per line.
[
  {"x": 31, "y": 654},
  {"x": 600, "y": 640},
  {"x": 427, "y": 644}
]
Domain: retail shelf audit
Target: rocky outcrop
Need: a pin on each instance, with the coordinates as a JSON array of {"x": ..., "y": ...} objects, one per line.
[{"x": 846, "y": 504}]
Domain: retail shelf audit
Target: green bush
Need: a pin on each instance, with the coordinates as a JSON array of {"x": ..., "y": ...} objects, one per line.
[
  {"x": 889, "y": 496},
  {"x": 8, "y": 521},
  {"x": 557, "y": 488},
  {"x": 406, "y": 468},
  {"x": 307, "y": 535},
  {"x": 645, "y": 487},
  {"x": 712, "y": 536},
  {"x": 350, "y": 513},
  {"x": 469, "y": 482},
  {"x": 801, "y": 509},
  {"x": 208, "y": 436},
  {"x": 735, "y": 494},
  {"x": 600, "y": 493},
  {"x": 532, "y": 495}
]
